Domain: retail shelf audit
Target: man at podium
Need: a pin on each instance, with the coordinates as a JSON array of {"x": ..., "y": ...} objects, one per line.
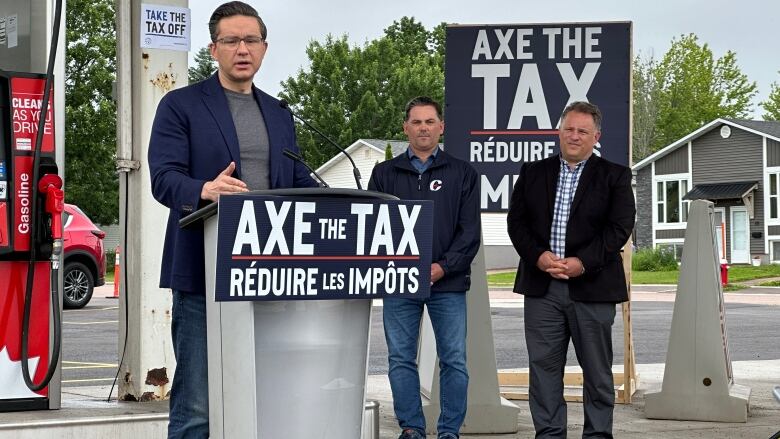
[
  {"x": 221, "y": 135},
  {"x": 425, "y": 172}
]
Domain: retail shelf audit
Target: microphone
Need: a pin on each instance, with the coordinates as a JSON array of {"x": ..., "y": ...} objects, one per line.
[
  {"x": 300, "y": 159},
  {"x": 355, "y": 170}
]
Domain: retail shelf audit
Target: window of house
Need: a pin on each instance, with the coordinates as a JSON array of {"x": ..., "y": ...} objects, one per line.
[
  {"x": 775, "y": 251},
  {"x": 774, "y": 179},
  {"x": 676, "y": 248},
  {"x": 671, "y": 208}
]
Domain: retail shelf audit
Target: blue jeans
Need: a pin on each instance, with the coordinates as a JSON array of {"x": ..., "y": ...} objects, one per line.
[
  {"x": 189, "y": 405},
  {"x": 402, "y": 317}
]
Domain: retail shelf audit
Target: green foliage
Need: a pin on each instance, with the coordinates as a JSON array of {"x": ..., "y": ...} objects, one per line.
[
  {"x": 110, "y": 260},
  {"x": 645, "y": 98},
  {"x": 204, "y": 66},
  {"x": 686, "y": 89},
  {"x": 653, "y": 260},
  {"x": 389, "y": 152},
  {"x": 90, "y": 112},
  {"x": 772, "y": 104},
  {"x": 353, "y": 92}
]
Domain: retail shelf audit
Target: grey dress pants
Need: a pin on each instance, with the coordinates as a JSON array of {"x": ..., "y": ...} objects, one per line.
[{"x": 550, "y": 321}]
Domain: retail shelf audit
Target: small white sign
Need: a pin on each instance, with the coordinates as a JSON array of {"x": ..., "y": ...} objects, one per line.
[
  {"x": 165, "y": 27},
  {"x": 23, "y": 144},
  {"x": 3, "y": 189},
  {"x": 13, "y": 31}
]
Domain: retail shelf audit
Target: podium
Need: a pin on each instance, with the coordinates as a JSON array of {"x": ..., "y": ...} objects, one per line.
[{"x": 292, "y": 368}]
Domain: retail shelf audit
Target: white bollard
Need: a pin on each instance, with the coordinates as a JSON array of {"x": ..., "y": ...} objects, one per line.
[{"x": 698, "y": 382}]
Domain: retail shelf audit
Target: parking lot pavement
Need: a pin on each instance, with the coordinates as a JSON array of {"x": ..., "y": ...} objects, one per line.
[{"x": 89, "y": 341}]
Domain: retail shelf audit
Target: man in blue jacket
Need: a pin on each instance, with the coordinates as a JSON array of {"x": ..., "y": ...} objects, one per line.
[
  {"x": 425, "y": 172},
  {"x": 221, "y": 135}
]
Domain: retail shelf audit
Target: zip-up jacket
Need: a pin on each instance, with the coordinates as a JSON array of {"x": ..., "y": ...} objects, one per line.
[{"x": 453, "y": 186}]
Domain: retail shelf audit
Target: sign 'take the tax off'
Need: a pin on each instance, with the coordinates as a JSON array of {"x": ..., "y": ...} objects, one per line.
[{"x": 165, "y": 27}]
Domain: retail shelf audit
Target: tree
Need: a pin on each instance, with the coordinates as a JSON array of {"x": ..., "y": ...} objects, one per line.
[
  {"x": 90, "y": 112},
  {"x": 353, "y": 92},
  {"x": 204, "y": 66},
  {"x": 389, "y": 152},
  {"x": 645, "y": 107},
  {"x": 694, "y": 89},
  {"x": 772, "y": 104}
]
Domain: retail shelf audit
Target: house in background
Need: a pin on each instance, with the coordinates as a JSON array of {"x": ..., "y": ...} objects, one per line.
[
  {"x": 733, "y": 163},
  {"x": 366, "y": 153}
]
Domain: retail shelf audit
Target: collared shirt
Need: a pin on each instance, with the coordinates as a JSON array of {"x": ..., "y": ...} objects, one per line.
[
  {"x": 417, "y": 163},
  {"x": 567, "y": 186}
]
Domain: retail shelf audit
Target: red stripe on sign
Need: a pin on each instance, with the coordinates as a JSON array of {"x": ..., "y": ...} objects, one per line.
[{"x": 325, "y": 258}]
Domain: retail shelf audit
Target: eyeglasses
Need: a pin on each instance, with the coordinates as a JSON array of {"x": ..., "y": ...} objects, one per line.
[{"x": 232, "y": 43}]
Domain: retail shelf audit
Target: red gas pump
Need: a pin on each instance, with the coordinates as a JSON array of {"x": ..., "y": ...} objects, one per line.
[{"x": 31, "y": 203}]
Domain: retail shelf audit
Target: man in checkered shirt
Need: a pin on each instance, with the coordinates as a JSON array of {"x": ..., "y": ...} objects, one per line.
[{"x": 569, "y": 217}]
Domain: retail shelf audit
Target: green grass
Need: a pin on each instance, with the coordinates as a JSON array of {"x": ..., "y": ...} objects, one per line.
[
  {"x": 501, "y": 279},
  {"x": 654, "y": 277},
  {"x": 109, "y": 276},
  {"x": 771, "y": 283},
  {"x": 737, "y": 273}
]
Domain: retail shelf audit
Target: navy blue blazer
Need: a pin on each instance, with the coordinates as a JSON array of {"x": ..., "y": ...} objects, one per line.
[{"x": 194, "y": 139}]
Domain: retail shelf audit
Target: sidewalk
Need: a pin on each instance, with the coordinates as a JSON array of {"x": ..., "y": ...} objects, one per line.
[
  {"x": 86, "y": 406},
  {"x": 630, "y": 421}
]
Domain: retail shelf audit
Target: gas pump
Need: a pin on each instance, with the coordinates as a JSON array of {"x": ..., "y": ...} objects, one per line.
[{"x": 31, "y": 204}]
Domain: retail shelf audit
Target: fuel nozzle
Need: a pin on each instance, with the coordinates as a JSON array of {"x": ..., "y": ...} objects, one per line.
[{"x": 50, "y": 186}]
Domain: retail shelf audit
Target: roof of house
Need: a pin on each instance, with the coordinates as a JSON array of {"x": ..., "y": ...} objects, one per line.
[
  {"x": 721, "y": 191},
  {"x": 769, "y": 129},
  {"x": 398, "y": 146},
  {"x": 378, "y": 145}
]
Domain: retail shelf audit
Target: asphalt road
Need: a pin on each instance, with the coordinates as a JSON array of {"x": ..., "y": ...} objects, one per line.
[
  {"x": 89, "y": 342},
  {"x": 90, "y": 337}
]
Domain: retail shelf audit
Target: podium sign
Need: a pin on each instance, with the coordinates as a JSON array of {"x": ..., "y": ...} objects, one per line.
[{"x": 307, "y": 248}]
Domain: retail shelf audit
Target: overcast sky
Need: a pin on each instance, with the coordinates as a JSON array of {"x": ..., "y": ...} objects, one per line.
[{"x": 747, "y": 27}]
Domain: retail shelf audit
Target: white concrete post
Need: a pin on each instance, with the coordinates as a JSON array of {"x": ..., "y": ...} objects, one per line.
[
  {"x": 487, "y": 411},
  {"x": 698, "y": 383},
  {"x": 144, "y": 76}
]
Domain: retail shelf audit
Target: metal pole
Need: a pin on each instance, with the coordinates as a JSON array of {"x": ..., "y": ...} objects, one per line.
[{"x": 147, "y": 369}]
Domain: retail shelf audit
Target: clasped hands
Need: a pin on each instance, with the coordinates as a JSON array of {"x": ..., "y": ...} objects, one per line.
[{"x": 560, "y": 268}]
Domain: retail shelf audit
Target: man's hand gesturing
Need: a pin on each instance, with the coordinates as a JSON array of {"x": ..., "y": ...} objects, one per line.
[{"x": 223, "y": 184}]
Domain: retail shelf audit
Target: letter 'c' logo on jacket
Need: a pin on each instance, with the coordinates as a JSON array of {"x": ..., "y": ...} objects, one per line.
[{"x": 436, "y": 185}]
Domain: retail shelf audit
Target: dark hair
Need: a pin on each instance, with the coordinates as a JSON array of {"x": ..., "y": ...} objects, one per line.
[
  {"x": 231, "y": 9},
  {"x": 585, "y": 108},
  {"x": 421, "y": 101}
]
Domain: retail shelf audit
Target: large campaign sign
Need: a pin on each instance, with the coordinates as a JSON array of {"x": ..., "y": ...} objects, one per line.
[
  {"x": 507, "y": 85},
  {"x": 299, "y": 248}
]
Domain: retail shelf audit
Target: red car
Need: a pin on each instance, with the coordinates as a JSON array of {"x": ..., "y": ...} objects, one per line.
[{"x": 83, "y": 256}]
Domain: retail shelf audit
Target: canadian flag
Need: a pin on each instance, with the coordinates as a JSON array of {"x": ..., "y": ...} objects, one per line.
[{"x": 13, "y": 277}]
